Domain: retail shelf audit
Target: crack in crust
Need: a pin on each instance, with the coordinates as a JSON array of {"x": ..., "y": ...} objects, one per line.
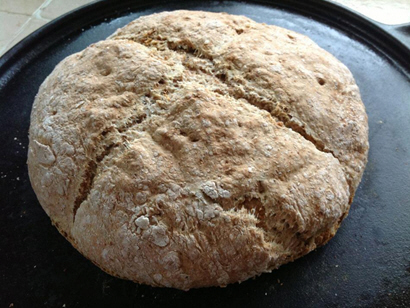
[
  {"x": 278, "y": 113},
  {"x": 89, "y": 175},
  {"x": 91, "y": 168}
]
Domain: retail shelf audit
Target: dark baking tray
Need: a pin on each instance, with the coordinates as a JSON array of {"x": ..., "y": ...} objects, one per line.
[{"x": 367, "y": 264}]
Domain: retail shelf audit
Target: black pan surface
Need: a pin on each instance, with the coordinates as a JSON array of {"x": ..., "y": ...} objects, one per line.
[{"x": 367, "y": 264}]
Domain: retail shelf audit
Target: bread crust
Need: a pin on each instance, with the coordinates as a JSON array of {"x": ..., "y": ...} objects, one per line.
[{"x": 194, "y": 149}]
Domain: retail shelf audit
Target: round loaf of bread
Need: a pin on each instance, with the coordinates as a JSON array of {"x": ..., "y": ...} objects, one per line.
[{"x": 194, "y": 149}]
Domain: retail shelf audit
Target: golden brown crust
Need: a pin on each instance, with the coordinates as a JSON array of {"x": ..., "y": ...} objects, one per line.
[{"x": 194, "y": 149}]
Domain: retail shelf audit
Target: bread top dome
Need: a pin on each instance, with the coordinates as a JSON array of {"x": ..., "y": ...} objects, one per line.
[{"x": 193, "y": 149}]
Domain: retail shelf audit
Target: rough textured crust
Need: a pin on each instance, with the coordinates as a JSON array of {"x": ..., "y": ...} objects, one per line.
[{"x": 193, "y": 149}]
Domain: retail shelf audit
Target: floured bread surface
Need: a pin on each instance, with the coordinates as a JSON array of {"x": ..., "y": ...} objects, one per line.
[{"x": 194, "y": 149}]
